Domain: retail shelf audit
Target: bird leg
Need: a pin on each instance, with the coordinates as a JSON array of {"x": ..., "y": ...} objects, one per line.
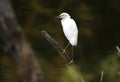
[
  {"x": 72, "y": 52},
  {"x": 66, "y": 47}
]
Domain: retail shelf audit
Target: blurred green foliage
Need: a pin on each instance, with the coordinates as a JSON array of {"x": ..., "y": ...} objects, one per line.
[{"x": 98, "y": 22}]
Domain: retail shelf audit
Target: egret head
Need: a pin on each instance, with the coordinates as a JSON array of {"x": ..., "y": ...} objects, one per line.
[{"x": 64, "y": 15}]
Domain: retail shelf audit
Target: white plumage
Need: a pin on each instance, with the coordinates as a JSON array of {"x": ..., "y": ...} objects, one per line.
[{"x": 69, "y": 28}]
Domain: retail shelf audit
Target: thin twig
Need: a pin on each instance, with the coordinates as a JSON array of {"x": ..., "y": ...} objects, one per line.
[
  {"x": 118, "y": 50},
  {"x": 57, "y": 46},
  {"x": 102, "y": 75}
]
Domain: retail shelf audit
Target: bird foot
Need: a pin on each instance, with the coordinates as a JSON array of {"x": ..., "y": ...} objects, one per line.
[
  {"x": 71, "y": 62},
  {"x": 63, "y": 51}
]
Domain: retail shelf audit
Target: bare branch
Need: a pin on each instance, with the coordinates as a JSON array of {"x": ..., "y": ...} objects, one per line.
[{"x": 57, "y": 46}]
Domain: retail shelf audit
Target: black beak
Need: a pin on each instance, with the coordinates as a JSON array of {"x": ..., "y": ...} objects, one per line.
[{"x": 57, "y": 17}]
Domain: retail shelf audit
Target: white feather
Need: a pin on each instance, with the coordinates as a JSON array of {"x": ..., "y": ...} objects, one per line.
[{"x": 70, "y": 29}]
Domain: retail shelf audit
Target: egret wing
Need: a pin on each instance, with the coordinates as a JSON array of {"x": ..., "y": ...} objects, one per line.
[{"x": 70, "y": 30}]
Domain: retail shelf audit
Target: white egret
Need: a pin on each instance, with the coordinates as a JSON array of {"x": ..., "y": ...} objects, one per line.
[{"x": 69, "y": 28}]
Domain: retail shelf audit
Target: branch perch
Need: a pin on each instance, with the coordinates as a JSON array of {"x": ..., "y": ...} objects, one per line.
[
  {"x": 57, "y": 46},
  {"x": 70, "y": 65}
]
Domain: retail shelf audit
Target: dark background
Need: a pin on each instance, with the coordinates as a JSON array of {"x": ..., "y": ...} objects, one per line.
[{"x": 98, "y": 22}]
